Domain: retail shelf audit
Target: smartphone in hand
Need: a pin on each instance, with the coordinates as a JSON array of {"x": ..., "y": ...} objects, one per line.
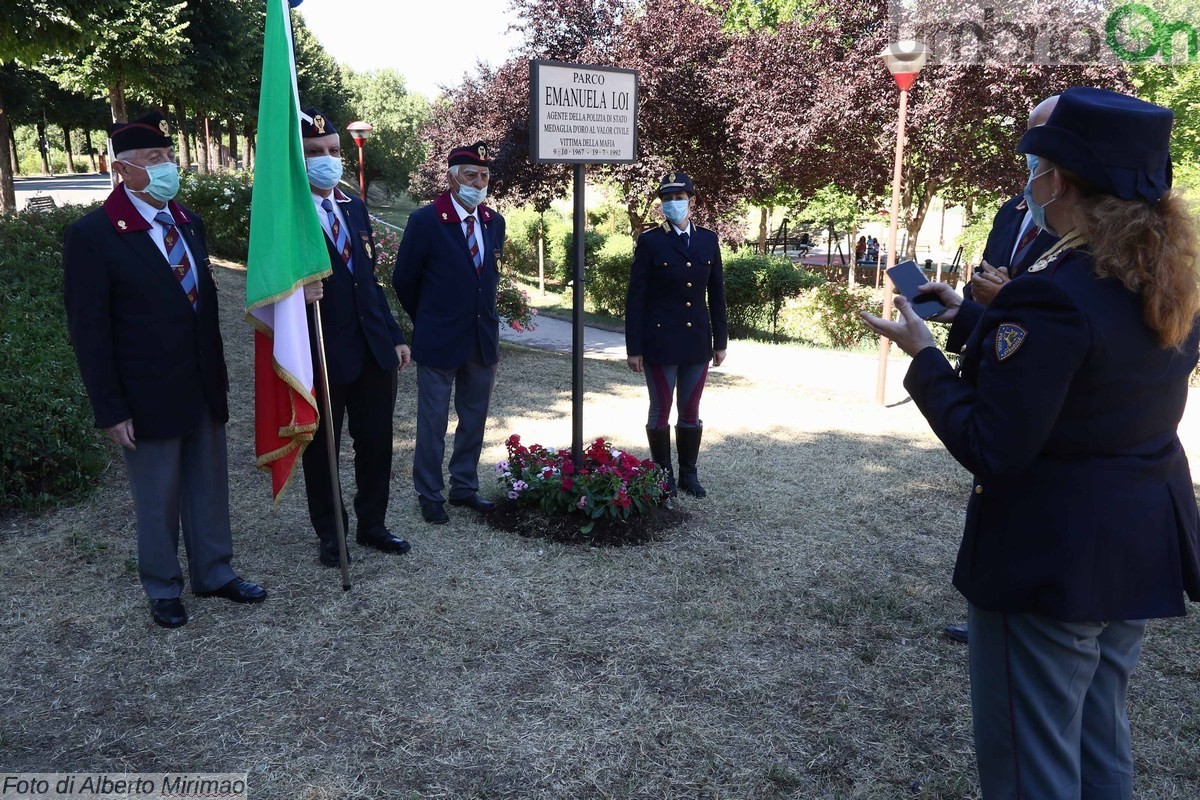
[{"x": 908, "y": 277}]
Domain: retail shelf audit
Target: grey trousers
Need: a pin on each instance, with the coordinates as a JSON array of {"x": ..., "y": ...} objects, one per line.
[
  {"x": 182, "y": 482},
  {"x": 472, "y": 384},
  {"x": 1048, "y": 705}
]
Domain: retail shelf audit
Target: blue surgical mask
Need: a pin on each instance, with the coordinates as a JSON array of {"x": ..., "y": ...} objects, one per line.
[
  {"x": 164, "y": 180},
  {"x": 471, "y": 197},
  {"x": 1032, "y": 161},
  {"x": 676, "y": 210},
  {"x": 1038, "y": 212},
  {"x": 324, "y": 172}
]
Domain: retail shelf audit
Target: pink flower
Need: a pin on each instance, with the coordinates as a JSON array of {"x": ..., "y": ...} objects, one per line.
[{"x": 582, "y": 502}]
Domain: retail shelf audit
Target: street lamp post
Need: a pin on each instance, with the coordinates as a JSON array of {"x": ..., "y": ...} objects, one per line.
[
  {"x": 904, "y": 60},
  {"x": 361, "y": 131}
]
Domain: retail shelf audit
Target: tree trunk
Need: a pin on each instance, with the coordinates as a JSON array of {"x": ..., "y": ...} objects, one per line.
[
  {"x": 764, "y": 225},
  {"x": 233, "y": 151},
  {"x": 923, "y": 199},
  {"x": 8, "y": 194},
  {"x": 185, "y": 150},
  {"x": 116, "y": 102},
  {"x": 12, "y": 146},
  {"x": 91, "y": 151},
  {"x": 205, "y": 145},
  {"x": 44, "y": 148},
  {"x": 67, "y": 145},
  {"x": 247, "y": 158}
]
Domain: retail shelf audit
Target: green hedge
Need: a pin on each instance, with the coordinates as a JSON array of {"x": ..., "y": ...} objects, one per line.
[
  {"x": 608, "y": 275},
  {"x": 757, "y": 287},
  {"x": 223, "y": 201},
  {"x": 49, "y": 449}
]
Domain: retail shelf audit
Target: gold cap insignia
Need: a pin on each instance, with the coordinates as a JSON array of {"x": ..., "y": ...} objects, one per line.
[
  {"x": 671, "y": 178},
  {"x": 162, "y": 126},
  {"x": 121, "y": 224},
  {"x": 319, "y": 123},
  {"x": 483, "y": 151}
]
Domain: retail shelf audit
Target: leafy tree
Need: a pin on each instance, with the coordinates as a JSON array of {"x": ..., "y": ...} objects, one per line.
[
  {"x": 318, "y": 77},
  {"x": 135, "y": 48},
  {"x": 28, "y": 31},
  {"x": 394, "y": 150}
]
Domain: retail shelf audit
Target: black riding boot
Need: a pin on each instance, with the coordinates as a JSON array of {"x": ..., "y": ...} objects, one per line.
[
  {"x": 687, "y": 442},
  {"x": 660, "y": 453}
]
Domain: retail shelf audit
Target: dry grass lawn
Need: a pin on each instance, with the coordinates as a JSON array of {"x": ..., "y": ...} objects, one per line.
[{"x": 784, "y": 643}]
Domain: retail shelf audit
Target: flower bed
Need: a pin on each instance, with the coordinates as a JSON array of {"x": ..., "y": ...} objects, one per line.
[{"x": 608, "y": 497}]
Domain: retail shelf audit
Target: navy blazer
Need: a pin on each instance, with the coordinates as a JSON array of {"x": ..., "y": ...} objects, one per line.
[
  {"x": 356, "y": 320},
  {"x": 675, "y": 306},
  {"x": 453, "y": 308},
  {"x": 143, "y": 351},
  {"x": 1066, "y": 411}
]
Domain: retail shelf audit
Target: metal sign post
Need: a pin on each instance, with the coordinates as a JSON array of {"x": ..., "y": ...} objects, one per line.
[{"x": 581, "y": 114}]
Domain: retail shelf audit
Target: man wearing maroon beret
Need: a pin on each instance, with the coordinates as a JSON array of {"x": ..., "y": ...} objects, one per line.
[
  {"x": 142, "y": 314},
  {"x": 446, "y": 277}
]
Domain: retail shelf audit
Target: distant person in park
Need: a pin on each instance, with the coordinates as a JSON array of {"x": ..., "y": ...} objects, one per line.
[
  {"x": 1083, "y": 521},
  {"x": 872, "y": 250},
  {"x": 1014, "y": 242},
  {"x": 446, "y": 276},
  {"x": 142, "y": 315},
  {"x": 364, "y": 349},
  {"x": 675, "y": 325},
  {"x": 860, "y": 249}
]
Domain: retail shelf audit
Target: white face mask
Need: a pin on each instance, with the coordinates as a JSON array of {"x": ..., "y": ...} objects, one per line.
[{"x": 470, "y": 196}]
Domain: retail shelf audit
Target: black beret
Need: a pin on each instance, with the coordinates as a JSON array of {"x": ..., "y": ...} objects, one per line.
[
  {"x": 150, "y": 130},
  {"x": 476, "y": 154},
  {"x": 321, "y": 125}
]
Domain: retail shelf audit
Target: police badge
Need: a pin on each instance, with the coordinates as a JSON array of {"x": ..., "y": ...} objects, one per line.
[
  {"x": 318, "y": 123},
  {"x": 1009, "y": 338}
]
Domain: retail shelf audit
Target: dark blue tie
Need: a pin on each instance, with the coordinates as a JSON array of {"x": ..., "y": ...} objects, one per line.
[{"x": 687, "y": 240}]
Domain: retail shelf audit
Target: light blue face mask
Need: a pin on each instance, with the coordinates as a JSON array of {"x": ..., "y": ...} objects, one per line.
[
  {"x": 164, "y": 180},
  {"x": 1038, "y": 212},
  {"x": 470, "y": 196},
  {"x": 324, "y": 172},
  {"x": 1032, "y": 161},
  {"x": 676, "y": 210}
]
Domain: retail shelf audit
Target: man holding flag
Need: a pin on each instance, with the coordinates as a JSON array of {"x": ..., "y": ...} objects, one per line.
[{"x": 363, "y": 348}]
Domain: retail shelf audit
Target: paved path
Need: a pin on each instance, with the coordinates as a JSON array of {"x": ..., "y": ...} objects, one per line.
[
  {"x": 851, "y": 376},
  {"x": 77, "y": 189}
]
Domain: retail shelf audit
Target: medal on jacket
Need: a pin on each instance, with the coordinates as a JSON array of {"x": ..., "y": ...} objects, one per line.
[{"x": 1064, "y": 245}]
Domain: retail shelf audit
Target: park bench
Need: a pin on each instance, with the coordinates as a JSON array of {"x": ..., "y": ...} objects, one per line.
[{"x": 40, "y": 203}]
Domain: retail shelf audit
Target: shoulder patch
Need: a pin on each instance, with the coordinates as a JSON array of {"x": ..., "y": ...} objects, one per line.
[{"x": 1009, "y": 338}]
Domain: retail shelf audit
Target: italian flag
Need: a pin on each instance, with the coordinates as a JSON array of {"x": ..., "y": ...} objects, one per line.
[{"x": 287, "y": 250}]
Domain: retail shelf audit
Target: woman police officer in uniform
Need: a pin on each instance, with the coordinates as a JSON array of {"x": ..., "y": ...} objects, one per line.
[
  {"x": 675, "y": 325},
  {"x": 1082, "y": 522}
]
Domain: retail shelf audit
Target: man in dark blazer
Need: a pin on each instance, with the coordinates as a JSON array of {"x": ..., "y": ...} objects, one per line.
[
  {"x": 364, "y": 347},
  {"x": 446, "y": 277},
  {"x": 142, "y": 315},
  {"x": 1014, "y": 242}
]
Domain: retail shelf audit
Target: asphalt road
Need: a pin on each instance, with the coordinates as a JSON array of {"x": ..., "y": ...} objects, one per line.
[{"x": 74, "y": 189}]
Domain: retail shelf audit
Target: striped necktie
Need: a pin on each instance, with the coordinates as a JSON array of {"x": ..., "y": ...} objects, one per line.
[
  {"x": 341, "y": 240},
  {"x": 473, "y": 244},
  {"x": 177, "y": 257}
]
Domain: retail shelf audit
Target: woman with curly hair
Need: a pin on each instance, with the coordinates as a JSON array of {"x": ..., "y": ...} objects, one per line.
[{"x": 1082, "y": 522}]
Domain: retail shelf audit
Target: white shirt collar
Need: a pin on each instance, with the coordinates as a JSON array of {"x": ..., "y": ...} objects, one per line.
[
  {"x": 680, "y": 231},
  {"x": 462, "y": 212},
  {"x": 148, "y": 211}
]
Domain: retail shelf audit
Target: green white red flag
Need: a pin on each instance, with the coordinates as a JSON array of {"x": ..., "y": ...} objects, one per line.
[{"x": 287, "y": 250}]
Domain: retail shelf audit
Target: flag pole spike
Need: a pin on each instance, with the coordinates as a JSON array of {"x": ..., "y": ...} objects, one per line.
[{"x": 335, "y": 480}]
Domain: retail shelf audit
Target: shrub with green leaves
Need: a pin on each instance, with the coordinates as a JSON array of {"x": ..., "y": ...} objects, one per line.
[
  {"x": 756, "y": 289},
  {"x": 222, "y": 199},
  {"x": 608, "y": 275},
  {"x": 49, "y": 449},
  {"x": 829, "y": 315}
]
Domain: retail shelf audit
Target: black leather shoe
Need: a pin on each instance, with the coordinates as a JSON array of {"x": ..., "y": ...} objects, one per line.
[
  {"x": 434, "y": 513},
  {"x": 239, "y": 591},
  {"x": 168, "y": 613},
  {"x": 329, "y": 553},
  {"x": 385, "y": 541},
  {"x": 474, "y": 501},
  {"x": 956, "y": 632}
]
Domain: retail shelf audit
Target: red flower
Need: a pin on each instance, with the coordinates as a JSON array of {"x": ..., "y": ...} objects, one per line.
[{"x": 568, "y": 483}]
